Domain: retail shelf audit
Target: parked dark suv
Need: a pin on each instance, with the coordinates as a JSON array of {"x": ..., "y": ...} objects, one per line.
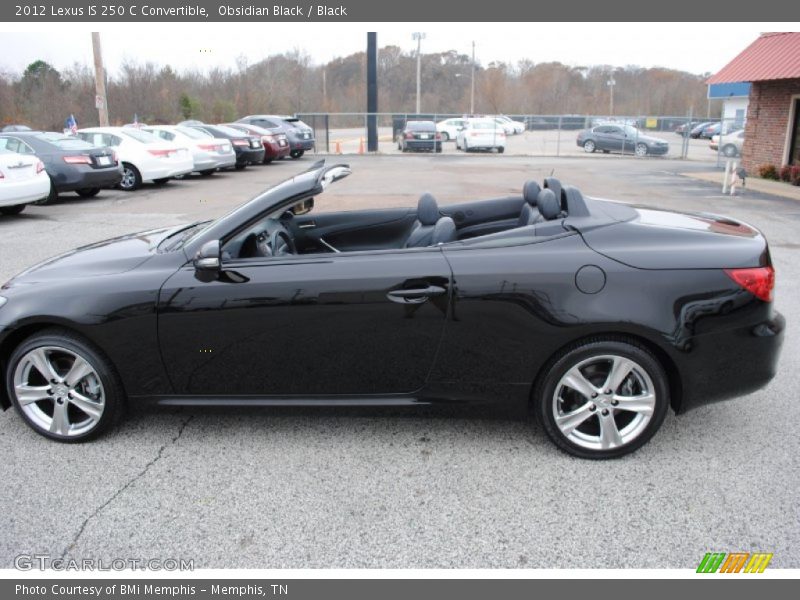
[{"x": 300, "y": 135}]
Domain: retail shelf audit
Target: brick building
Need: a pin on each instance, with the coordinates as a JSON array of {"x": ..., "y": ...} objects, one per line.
[{"x": 771, "y": 64}]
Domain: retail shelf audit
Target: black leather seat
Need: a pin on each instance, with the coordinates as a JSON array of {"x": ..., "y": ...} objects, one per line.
[
  {"x": 549, "y": 207},
  {"x": 529, "y": 214},
  {"x": 427, "y": 216}
]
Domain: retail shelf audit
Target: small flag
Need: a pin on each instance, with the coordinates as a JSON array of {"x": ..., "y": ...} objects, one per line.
[{"x": 71, "y": 124}]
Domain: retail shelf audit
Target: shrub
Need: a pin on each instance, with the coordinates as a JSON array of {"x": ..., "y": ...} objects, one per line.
[
  {"x": 794, "y": 175},
  {"x": 768, "y": 172},
  {"x": 785, "y": 174}
]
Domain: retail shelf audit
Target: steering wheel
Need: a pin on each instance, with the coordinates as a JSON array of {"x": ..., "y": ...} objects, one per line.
[{"x": 281, "y": 243}]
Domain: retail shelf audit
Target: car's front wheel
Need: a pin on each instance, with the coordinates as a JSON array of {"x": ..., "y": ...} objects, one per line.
[
  {"x": 729, "y": 150},
  {"x": 589, "y": 146},
  {"x": 602, "y": 398},
  {"x": 88, "y": 192},
  {"x": 641, "y": 149},
  {"x": 63, "y": 387}
]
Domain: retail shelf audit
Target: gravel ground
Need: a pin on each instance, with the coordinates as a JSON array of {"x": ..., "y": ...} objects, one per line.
[{"x": 299, "y": 487}]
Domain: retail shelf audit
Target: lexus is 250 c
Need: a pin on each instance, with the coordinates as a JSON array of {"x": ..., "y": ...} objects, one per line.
[{"x": 597, "y": 316}]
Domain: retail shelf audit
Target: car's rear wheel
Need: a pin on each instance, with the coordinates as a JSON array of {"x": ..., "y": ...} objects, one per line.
[
  {"x": 51, "y": 197},
  {"x": 602, "y": 398},
  {"x": 161, "y": 180},
  {"x": 297, "y": 153},
  {"x": 589, "y": 146},
  {"x": 501, "y": 149},
  {"x": 445, "y": 136},
  {"x": 88, "y": 192},
  {"x": 207, "y": 172},
  {"x": 729, "y": 150},
  {"x": 641, "y": 149},
  {"x": 63, "y": 387},
  {"x": 241, "y": 166},
  {"x": 12, "y": 210},
  {"x": 131, "y": 178}
]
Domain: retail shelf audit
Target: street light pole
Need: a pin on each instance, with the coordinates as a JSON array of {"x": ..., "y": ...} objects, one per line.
[
  {"x": 472, "y": 85},
  {"x": 419, "y": 36},
  {"x": 611, "y": 83}
]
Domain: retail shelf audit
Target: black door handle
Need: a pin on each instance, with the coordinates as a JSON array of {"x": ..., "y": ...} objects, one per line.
[{"x": 415, "y": 295}]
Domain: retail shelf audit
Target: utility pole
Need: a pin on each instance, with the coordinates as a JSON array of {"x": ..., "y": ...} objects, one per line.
[
  {"x": 324, "y": 90},
  {"x": 419, "y": 36},
  {"x": 611, "y": 83},
  {"x": 99, "y": 81},
  {"x": 472, "y": 84}
]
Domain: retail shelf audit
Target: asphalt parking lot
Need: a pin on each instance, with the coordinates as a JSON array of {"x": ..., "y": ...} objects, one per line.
[{"x": 293, "y": 488}]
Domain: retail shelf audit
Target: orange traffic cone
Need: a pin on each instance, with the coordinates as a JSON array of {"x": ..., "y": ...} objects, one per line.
[
  {"x": 361, "y": 145},
  {"x": 338, "y": 148}
]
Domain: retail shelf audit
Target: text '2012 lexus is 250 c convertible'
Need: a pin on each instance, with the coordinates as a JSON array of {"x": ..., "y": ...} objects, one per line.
[{"x": 595, "y": 315}]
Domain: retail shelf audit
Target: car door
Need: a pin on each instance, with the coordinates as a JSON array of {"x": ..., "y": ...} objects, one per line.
[
  {"x": 360, "y": 323},
  {"x": 615, "y": 138}
]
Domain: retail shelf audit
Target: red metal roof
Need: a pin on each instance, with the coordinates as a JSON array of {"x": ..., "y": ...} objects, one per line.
[{"x": 771, "y": 56}]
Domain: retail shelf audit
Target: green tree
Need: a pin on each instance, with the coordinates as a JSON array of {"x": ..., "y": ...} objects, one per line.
[{"x": 190, "y": 107}]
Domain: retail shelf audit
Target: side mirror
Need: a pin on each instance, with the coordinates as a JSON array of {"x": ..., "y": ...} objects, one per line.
[
  {"x": 208, "y": 257},
  {"x": 303, "y": 207}
]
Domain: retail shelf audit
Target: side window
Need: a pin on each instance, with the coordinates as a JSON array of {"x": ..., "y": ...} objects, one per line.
[
  {"x": 615, "y": 131},
  {"x": 166, "y": 135},
  {"x": 3, "y": 143},
  {"x": 16, "y": 145},
  {"x": 110, "y": 140}
]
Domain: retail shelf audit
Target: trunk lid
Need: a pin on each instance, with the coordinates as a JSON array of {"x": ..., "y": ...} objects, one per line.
[{"x": 660, "y": 239}]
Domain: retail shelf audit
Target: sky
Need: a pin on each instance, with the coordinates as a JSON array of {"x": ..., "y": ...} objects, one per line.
[{"x": 694, "y": 47}]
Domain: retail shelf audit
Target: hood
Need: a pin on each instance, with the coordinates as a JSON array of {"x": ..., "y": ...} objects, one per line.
[{"x": 108, "y": 257}]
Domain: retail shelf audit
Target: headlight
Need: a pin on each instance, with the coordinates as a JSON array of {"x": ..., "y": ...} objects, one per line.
[{"x": 3, "y": 300}]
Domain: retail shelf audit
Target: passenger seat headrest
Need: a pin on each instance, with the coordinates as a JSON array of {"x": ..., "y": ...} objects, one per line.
[
  {"x": 427, "y": 209},
  {"x": 444, "y": 231},
  {"x": 530, "y": 191},
  {"x": 551, "y": 183},
  {"x": 549, "y": 206}
]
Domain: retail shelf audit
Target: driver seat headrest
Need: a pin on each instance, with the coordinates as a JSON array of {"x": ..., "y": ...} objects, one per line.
[
  {"x": 551, "y": 183},
  {"x": 427, "y": 209},
  {"x": 530, "y": 191},
  {"x": 549, "y": 206}
]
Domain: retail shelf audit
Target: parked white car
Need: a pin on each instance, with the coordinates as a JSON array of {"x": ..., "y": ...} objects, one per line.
[
  {"x": 731, "y": 144},
  {"x": 144, "y": 157},
  {"x": 449, "y": 128},
  {"x": 481, "y": 134},
  {"x": 23, "y": 180},
  {"x": 511, "y": 126},
  {"x": 208, "y": 153}
]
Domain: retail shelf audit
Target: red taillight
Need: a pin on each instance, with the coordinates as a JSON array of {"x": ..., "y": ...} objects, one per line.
[
  {"x": 208, "y": 146},
  {"x": 238, "y": 142},
  {"x": 161, "y": 153},
  {"x": 759, "y": 281},
  {"x": 80, "y": 159},
  {"x": 114, "y": 157},
  {"x": 39, "y": 167},
  {"x": 409, "y": 136}
]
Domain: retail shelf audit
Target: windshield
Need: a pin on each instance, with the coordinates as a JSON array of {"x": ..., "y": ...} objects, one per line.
[
  {"x": 141, "y": 136},
  {"x": 230, "y": 131},
  {"x": 195, "y": 134},
  {"x": 630, "y": 131},
  {"x": 483, "y": 125},
  {"x": 65, "y": 142},
  {"x": 178, "y": 239},
  {"x": 297, "y": 123}
]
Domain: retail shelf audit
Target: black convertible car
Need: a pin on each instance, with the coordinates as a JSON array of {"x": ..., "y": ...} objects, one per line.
[{"x": 599, "y": 316}]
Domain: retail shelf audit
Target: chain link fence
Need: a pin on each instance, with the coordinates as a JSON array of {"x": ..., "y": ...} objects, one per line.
[{"x": 674, "y": 137}]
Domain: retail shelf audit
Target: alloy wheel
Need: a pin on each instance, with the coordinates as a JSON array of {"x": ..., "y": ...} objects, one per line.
[
  {"x": 59, "y": 391},
  {"x": 604, "y": 402},
  {"x": 589, "y": 146},
  {"x": 128, "y": 180},
  {"x": 641, "y": 150}
]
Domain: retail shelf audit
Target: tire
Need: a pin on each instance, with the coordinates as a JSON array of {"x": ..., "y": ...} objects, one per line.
[
  {"x": 606, "y": 151},
  {"x": 641, "y": 149},
  {"x": 501, "y": 149},
  {"x": 240, "y": 166},
  {"x": 730, "y": 150},
  {"x": 10, "y": 211},
  {"x": 88, "y": 192},
  {"x": 445, "y": 136},
  {"x": 98, "y": 391},
  {"x": 208, "y": 172},
  {"x": 589, "y": 146},
  {"x": 466, "y": 146},
  {"x": 587, "y": 365},
  {"x": 297, "y": 153},
  {"x": 131, "y": 178},
  {"x": 162, "y": 180},
  {"x": 267, "y": 161},
  {"x": 51, "y": 197}
]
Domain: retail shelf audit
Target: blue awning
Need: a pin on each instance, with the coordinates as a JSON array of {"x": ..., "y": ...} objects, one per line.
[{"x": 720, "y": 91}]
